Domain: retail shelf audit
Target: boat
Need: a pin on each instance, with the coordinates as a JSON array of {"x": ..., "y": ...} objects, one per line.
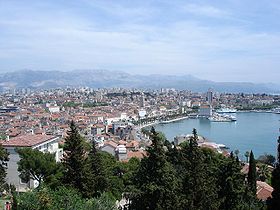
[
  {"x": 222, "y": 118},
  {"x": 218, "y": 119},
  {"x": 230, "y": 117},
  {"x": 276, "y": 111},
  {"x": 226, "y": 110}
]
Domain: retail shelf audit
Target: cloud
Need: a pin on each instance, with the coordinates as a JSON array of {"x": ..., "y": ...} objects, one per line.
[
  {"x": 89, "y": 36},
  {"x": 206, "y": 10}
]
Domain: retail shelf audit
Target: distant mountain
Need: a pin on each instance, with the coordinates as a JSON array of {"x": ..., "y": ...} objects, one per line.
[{"x": 104, "y": 78}]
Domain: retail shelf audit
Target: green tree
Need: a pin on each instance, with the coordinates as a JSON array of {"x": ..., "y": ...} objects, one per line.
[
  {"x": 247, "y": 155},
  {"x": 115, "y": 181},
  {"x": 74, "y": 159},
  {"x": 64, "y": 198},
  {"x": 274, "y": 202},
  {"x": 4, "y": 158},
  {"x": 38, "y": 166},
  {"x": 199, "y": 182},
  {"x": 130, "y": 169},
  {"x": 236, "y": 152},
  {"x": 96, "y": 179},
  {"x": 263, "y": 172},
  {"x": 252, "y": 174},
  {"x": 231, "y": 183},
  {"x": 105, "y": 202},
  {"x": 251, "y": 201},
  {"x": 156, "y": 184}
]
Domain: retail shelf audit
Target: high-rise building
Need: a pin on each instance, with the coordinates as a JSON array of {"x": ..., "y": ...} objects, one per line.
[
  {"x": 142, "y": 100},
  {"x": 209, "y": 96}
]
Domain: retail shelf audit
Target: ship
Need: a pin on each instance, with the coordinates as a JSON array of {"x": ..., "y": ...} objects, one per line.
[
  {"x": 226, "y": 110},
  {"x": 230, "y": 117},
  {"x": 276, "y": 110},
  {"x": 222, "y": 118}
]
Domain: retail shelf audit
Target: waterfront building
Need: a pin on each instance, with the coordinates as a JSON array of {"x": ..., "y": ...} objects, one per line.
[{"x": 205, "y": 110}]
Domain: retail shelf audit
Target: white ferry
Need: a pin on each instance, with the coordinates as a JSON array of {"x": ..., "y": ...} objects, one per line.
[{"x": 226, "y": 110}]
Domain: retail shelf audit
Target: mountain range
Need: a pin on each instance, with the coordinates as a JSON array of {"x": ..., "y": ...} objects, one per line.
[{"x": 106, "y": 79}]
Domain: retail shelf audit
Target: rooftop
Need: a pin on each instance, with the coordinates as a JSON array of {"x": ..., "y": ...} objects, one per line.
[
  {"x": 264, "y": 190},
  {"x": 28, "y": 140}
]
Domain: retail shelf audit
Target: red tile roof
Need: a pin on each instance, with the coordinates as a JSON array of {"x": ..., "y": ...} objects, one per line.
[
  {"x": 132, "y": 144},
  {"x": 27, "y": 140},
  {"x": 264, "y": 190},
  {"x": 137, "y": 154},
  {"x": 110, "y": 143},
  {"x": 122, "y": 142},
  {"x": 98, "y": 126}
]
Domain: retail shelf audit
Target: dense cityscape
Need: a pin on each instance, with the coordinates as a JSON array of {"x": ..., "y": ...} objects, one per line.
[
  {"x": 117, "y": 121},
  {"x": 139, "y": 105}
]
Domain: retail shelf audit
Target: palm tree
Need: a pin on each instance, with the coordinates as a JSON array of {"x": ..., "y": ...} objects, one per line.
[
  {"x": 247, "y": 154},
  {"x": 263, "y": 172},
  {"x": 236, "y": 152}
]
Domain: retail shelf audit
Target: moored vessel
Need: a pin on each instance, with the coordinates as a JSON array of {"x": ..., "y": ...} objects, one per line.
[{"x": 226, "y": 110}]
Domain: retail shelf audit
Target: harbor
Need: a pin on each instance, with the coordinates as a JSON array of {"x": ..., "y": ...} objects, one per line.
[{"x": 252, "y": 131}]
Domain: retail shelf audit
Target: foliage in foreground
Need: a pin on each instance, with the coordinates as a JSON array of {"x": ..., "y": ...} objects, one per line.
[
  {"x": 185, "y": 177},
  {"x": 38, "y": 166},
  {"x": 274, "y": 202},
  {"x": 62, "y": 198},
  {"x": 4, "y": 157},
  {"x": 190, "y": 177}
]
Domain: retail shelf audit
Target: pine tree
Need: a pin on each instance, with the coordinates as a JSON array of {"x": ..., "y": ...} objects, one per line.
[
  {"x": 96, "y": 180},
  {"x": 251, "y": 201},
  {"x": 231, "y": 183},
  {"x": 199, "y": 183},
  {"x": 274, "y": 202},
  {"x": 39, "y": 166},
  {"x": 74, "y": 159},
  {"x": 156, "y": 183},
  {"x": 252, "y": 174}
]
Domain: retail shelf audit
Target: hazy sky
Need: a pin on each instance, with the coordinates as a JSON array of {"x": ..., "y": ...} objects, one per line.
[{"x": 225, "y": 40}]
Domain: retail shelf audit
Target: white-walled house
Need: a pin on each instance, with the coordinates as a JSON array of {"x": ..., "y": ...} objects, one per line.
[
  {"x": 54, "y": 109},
  {"x": 44, "y": 143}
]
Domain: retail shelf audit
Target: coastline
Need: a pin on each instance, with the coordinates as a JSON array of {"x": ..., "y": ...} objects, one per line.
[
  {"x": 163, "y": 122},
  {"x": 173, "y": 120}
]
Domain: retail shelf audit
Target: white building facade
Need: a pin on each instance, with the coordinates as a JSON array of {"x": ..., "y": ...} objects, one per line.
[{"x": 44, "y": 143}]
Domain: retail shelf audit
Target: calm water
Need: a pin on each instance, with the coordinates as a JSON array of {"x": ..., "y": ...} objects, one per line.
[{"x": 252, "y": 131}]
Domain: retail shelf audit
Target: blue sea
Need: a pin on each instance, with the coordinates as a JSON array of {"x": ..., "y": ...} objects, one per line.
[{"x": 252, "y": 131}]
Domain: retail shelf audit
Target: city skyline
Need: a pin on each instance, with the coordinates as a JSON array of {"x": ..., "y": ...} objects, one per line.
[{"x": 219, "y": 41}]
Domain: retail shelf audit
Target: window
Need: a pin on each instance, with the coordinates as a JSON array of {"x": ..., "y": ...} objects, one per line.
[{"x": 21, "y": 181}]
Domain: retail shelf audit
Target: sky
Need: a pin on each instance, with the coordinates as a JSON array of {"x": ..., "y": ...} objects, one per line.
[{"x": 225, "y": 40}]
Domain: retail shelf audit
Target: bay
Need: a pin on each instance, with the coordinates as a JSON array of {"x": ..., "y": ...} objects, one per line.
[{"x": 252, "y": 131}]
